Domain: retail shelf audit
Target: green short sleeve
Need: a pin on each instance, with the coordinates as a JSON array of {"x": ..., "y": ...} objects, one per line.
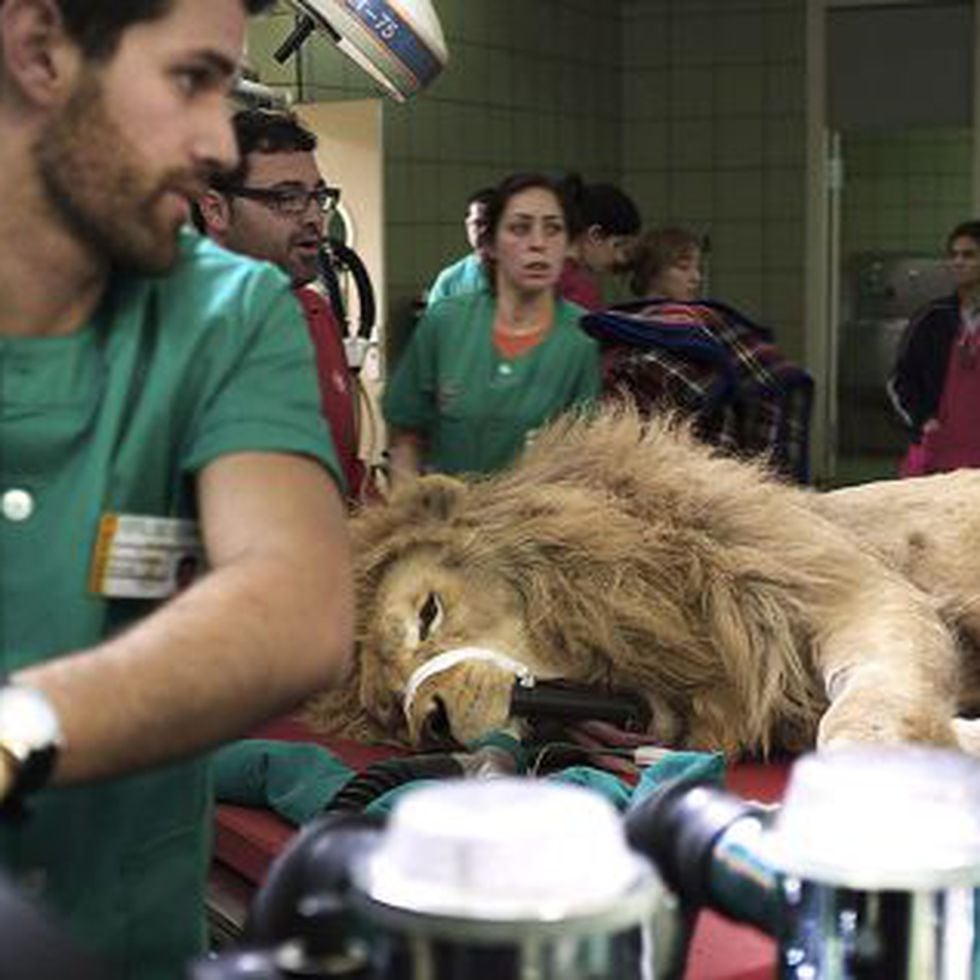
[
  {"x": 410, "y": 397},
  {"x": 264, "y": 393}
]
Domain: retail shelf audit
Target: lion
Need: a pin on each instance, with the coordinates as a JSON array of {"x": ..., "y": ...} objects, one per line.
[{"x": 619, "y": 552}]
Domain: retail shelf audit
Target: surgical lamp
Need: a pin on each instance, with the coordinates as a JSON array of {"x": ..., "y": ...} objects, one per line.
[{"x": 401, "y": 46}]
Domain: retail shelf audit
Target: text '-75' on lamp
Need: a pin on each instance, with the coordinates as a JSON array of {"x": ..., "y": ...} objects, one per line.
[{"x": 401, "y": 45}]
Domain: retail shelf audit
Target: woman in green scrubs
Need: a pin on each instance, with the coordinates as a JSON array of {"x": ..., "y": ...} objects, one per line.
[{"x": 483, "y": 372}]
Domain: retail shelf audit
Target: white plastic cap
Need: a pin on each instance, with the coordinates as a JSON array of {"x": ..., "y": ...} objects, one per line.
[
  {"x": 503, "y": 849},
  {"x": 874, "y": 818}
]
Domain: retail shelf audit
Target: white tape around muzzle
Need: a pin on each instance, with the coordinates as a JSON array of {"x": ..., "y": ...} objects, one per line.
[{"x": 452, "y": 658}]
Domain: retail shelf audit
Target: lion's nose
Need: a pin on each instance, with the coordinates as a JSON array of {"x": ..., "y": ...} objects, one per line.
[{"x": 435, "y": 728}]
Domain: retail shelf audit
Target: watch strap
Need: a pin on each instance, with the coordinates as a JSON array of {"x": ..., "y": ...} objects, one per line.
[{"x": 30, "y": 738}]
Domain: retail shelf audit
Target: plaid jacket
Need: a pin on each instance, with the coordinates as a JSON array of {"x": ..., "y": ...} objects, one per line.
[{"x": 707, "y": 359}]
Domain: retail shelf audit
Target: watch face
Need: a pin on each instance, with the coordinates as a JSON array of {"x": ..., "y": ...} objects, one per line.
[{"x": 28, "y": 722}]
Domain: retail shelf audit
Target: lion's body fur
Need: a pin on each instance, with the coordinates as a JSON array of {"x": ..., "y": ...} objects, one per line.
[{"x": 626, "y": 553}]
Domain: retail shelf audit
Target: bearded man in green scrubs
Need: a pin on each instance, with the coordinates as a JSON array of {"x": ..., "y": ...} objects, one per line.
[{"x": 158, "y": 408}]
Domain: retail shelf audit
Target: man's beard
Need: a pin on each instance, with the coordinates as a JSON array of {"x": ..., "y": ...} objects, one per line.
[
  {"x": 97, "y": 186},
  {"x": 303, "y": 270}
]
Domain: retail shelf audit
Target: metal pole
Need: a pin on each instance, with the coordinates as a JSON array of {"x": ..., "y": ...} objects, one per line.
[{"x": 976, "y": 109}]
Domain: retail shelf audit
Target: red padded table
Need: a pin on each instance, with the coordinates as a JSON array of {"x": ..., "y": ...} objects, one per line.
[{"x": 247, "y": 841}]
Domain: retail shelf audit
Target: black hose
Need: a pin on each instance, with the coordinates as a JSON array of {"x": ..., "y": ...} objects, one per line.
[
  {"x": 684, "y": 829},
  {"x": 677, "y": 828},
  {"x": 336, "y": 257},
  {"x": 571, "y": 702},
  {"x": 367, "y": 786}
]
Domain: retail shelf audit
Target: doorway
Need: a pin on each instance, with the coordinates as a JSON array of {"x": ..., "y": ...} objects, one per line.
[{"x": 893, "y": 166}]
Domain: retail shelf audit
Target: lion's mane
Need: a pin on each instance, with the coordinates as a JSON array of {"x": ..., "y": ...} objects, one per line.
[{"x": 643, "y": 560}]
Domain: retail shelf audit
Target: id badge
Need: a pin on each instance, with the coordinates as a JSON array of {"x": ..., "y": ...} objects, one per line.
[{"x": 144, "y": 557}]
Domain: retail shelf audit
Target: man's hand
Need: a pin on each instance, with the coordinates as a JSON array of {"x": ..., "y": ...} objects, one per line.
[
  {"x": 404, "y": 457},
  {"x": 266, "y": 627}
]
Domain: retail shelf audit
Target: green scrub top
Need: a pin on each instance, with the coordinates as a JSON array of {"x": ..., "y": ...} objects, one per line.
[
  {"x": 169, "y": 374},
  {"x": 468, "y": 275},
  {"x": 475, "y": 408}
]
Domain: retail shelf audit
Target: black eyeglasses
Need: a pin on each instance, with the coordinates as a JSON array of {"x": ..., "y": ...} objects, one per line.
[{"x": 289, "y": 200}]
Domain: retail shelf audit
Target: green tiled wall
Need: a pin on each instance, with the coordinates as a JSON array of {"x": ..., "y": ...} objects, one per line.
[
  {"x": 904, "y": 190},
  {"x": 714, "y": 138}
]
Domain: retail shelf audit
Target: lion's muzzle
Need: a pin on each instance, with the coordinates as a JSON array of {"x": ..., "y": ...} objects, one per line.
[{"x": 463, "y": 693}]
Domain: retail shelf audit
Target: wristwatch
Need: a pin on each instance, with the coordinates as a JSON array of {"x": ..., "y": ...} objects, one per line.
[{"x": 30, "y": 738}]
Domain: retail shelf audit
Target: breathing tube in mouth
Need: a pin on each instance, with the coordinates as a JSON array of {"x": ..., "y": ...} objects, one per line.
[
  {"x": 566, "y": 701},
  {"x": 453, "y": 658},
  {"x": 533, "y": 698}
]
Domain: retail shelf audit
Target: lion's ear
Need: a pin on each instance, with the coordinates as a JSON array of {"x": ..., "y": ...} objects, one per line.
[{"x": 436, "y": 497}]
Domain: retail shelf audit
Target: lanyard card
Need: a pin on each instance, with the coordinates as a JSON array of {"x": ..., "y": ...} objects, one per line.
[{"x": 144, "y": 557}]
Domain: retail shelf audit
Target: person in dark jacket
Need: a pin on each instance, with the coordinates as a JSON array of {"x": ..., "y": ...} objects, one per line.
[{"x": 935, "y": 386}]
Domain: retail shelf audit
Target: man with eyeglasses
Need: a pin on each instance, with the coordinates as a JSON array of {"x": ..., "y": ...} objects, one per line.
[{"x": 274, "y": 206}]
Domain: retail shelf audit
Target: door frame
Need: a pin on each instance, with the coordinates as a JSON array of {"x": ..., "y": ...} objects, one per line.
[{"x": 820, "y": 285}]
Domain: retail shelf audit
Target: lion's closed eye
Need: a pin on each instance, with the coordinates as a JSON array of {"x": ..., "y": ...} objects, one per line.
[{"x": 430, "y": 616}]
